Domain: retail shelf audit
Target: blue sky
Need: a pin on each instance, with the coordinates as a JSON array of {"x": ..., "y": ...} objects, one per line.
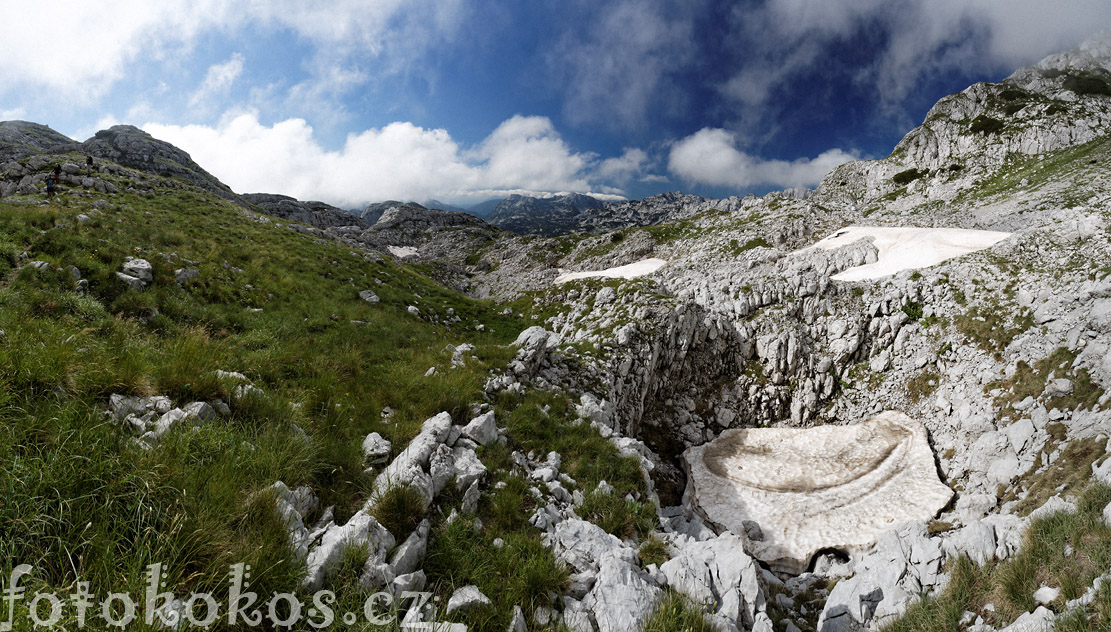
[{"x": 463, "y": 100}]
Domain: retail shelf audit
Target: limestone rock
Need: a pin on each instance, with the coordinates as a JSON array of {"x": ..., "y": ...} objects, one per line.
[
  {"x": 623, "y": 597},
  {"x": 824, "y": 487},
  {"x": 467, "y": 598},
  {"x": 375, "y": 448},
  {"x": 140, "y": 269},
  {"x": 719, "y": 574},
  {"x": 361, "y": 529},
  {"x": 904, "y": 564},
  {"x": 482, "y": 429}
]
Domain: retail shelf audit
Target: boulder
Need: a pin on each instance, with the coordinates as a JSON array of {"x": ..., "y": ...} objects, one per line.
[
  {"x": 904, "y": 565},
  {"x": 720, "y": 575},
  {"x": 375, "y": 448},
  {"x": 467, "y": 598},
  {"x": 360, "y": 530},
  {"x": 482, "y": 429},
  {"x": 410, "y": 467},
  {"x": 140, "y": 269},
  {"x": 410, "y": 553},
  {"x": 185, "y": 275},
  {"x": 623, "y": 596}
]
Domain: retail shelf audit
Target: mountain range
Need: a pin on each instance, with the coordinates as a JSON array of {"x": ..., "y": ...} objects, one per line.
[{"x": 881, "y": 404}]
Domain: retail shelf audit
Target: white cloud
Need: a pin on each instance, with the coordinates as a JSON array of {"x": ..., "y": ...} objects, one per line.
[
  {"x": 78, "y": 49},
  {"x": 629, "y": 165},
  {"x": 91, "y": 44},
  {"x": 710, "y": 156},
  {"x": 922, "y": 38},
  {"x": 217, "y": 81},
  {"x": 399, "y": 161},
  {"x": 621, "y": 66}
]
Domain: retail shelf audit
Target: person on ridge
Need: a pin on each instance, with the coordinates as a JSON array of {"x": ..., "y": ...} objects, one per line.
[{"x": 50, "y": 181}]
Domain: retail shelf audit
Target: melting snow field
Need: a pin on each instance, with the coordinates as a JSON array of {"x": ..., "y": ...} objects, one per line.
[
  {"x": 630, "y": 271},
  {"x": 402, "y": 251},
  {"x": 902, "y": 248}
]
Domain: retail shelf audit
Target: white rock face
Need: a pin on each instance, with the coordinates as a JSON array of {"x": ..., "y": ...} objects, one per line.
[{"x": 811, "y": 489}]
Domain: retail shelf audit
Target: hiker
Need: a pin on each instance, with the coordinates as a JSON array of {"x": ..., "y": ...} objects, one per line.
[
  {"x": 89, "y": 162},
  {"x": 57, "y": 172},
  {"x": 50, "y": 182}
]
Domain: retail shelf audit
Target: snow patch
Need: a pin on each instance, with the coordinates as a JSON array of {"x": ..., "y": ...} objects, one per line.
[
  {"x": 402, "y": 251},
  {"x": 907, "y": 248},
  {"x": 630, "y": 271}
]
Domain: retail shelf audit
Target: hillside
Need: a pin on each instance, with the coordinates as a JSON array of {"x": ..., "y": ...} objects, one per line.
[{"x": 881, "y": 405}]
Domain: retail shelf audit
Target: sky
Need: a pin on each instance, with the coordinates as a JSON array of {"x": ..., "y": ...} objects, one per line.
[{"x": 351, "y": 102}]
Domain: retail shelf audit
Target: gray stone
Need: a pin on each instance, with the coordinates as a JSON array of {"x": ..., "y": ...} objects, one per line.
[
  {"x": 140, "y": 269},
  {"x": 905, "y": 564},
  {"x": 721, "y": 575},
  {"x": 134, "y": 283},
  {"x": 412, "y": 582},
  {"x": 200, "y": 411},
  {"x": 1046, "y": 595},
  {"x": 409, "y": 554},
  {"x": 976, "y": 540},
  {"x": 468, "y": 468},
  {"x": 369, "y": 296},
  {"x": 1040, "y": 620},
  {"x": 622, "y": 598},
  {"x": 468, "y": 598},
  {"x": 482, "y": 429},
  {"x": 325, "y": 557},
  {"x": 1059, "y": 387},
  {"x": 581, "y": 544},
  {"x": 409, "y": 467},
  {"x": 185, "y": 275},
  {"x": 375, "y": 448},
  {"x": 518, "y": 623}
]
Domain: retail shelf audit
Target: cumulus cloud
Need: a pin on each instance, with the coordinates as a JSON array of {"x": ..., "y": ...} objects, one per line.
[
  {"x": 217, "y": 81},
  {"x": 93, "y": 43},
  {"x": 710, "y": 156},
  {"x": 399, "y": 161},
  {"x": 624, "y": 168}
]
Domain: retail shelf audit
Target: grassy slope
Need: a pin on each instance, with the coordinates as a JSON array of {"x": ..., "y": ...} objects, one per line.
[{"x": 80, "y": 502}]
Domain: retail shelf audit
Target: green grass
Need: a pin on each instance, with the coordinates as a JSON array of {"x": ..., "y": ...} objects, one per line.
[
  {"x": 400, "y": 509},
  {"x": 653, "y": 550},
  {"x": 619, "y": 516},
  {"x": 1010, "y": 584},
  {"x": 990, "y": 327},
  {"x": 1030, "y": 381},
  {"x": 520, "y": 572},
  {"x": 81, "y": 502},
  {"x": 736, "y": 248},
  {"x": 676, "y": 613}
]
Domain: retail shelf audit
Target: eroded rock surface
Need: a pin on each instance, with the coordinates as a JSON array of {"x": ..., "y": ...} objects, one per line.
[{"x": 829, "y": 487}]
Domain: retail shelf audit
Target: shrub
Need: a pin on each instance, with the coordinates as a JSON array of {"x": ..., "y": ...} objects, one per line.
[
  {"x": 986, "y": 125},
  {"x": 676, "y": 613},
  {"x": 623, "y": 518},
  {"x": 400, "y": 509},
  {"x": 1087, "y": 84},
  {"x": 653, "y": 551},
  {"x": 904, "y": 178},
  {"x": 913, "y": 309}
]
